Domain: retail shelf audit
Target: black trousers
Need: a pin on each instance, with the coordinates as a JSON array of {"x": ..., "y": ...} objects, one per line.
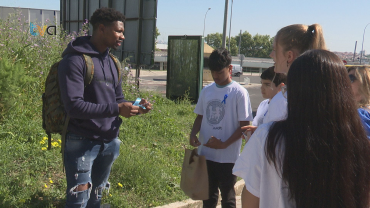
[{"x": 220, "y": 176}]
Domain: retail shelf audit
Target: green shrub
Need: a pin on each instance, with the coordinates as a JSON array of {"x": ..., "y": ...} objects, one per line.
[{"x": 13, "y": 80}]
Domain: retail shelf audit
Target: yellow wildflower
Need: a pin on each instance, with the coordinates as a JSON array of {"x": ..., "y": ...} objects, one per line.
[
  {"x": 44, "y": 138},
  {"x": 60, "y": 141},
  {"x": 51, "y": 181},
  {"x": 44, "y": 148},
  {"x": 120, "y": 185},
  {"x": 42, "y": 142},
  {"x": 45, "y": 186},
  {"x": 110, "y": 194}
]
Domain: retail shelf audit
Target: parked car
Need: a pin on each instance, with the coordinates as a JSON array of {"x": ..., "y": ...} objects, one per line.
[{"x": 237, "y": 70}]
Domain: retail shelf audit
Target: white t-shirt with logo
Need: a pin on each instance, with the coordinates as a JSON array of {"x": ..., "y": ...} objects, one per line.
[
  {"x": 260, "y": 177},
  {"x": 222, "y": 109},
  {"x": 278, "y": 108},
  {"x": 261, "y": 112}
]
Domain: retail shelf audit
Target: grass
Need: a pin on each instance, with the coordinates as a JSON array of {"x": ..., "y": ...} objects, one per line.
[{"x": 146, "y": 174}]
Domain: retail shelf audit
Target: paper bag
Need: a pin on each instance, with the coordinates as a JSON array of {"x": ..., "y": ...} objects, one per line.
[{"x": 194, "y": 176}]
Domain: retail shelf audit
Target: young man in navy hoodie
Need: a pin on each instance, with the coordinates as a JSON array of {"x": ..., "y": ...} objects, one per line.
[{"x": 92, "y": 142}]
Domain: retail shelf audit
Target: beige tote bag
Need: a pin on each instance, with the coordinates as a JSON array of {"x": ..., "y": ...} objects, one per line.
[{"x": 194, "y": 175}]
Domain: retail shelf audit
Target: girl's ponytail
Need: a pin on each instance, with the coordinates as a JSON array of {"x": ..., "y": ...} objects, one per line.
[
  {"x": 301, "y": 38},
  {"x": 315, "y": 37}
]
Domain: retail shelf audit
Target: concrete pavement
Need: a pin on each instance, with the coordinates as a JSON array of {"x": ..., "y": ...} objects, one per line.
[{"x": 199, "y": 204}]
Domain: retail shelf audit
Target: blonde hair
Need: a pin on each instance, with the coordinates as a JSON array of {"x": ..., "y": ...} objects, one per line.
[
  {"x": 362, "y": 74},
  {"x": 300, "y": 38}
]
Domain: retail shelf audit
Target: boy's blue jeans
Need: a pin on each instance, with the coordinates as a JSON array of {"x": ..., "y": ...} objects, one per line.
[{"x": 88, "y": 162}]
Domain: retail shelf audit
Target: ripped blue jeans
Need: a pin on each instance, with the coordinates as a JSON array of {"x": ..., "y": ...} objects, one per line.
[{"x": 88, "y": 162}]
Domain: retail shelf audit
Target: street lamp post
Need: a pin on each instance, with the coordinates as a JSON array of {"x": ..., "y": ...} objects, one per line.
[
  {"x": 205, "y": 20},
  {"x": 362, "y": 47}
]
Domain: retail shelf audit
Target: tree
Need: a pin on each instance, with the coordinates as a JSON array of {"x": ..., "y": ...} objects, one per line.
[
  {"x": 246, "y": 43},
  {"x": 262, "y": 46},
  {"x": 157, "y": 33},
  {"x": 233, "y": 46},
  {"x": 258, "y": 46},
  {"x": 215, "y": 41}
]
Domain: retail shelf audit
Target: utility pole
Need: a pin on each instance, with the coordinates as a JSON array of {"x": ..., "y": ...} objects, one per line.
[
  {"x": 225, "y": 24},
  {"x": 138, "y": 56},
  {"x": 240, "y": 55},
  {"x": 354, "y": 53},
  {"x": 363, "y": 38},
  {"x": 231, "y": 16},
  {"x": 240, "y": 41}
]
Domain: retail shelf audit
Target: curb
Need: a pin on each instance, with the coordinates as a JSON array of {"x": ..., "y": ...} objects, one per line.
[{"x": 189, "y": 203}]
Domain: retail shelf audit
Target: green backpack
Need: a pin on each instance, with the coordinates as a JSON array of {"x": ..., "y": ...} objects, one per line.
[{"x": 54, "y": 117}]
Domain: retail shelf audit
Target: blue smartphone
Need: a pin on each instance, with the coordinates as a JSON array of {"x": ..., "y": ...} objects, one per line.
[{"x": 136, "y": 103}]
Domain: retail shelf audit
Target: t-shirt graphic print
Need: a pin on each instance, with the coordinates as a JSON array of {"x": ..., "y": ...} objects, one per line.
[{"x": 215, "y": 112}]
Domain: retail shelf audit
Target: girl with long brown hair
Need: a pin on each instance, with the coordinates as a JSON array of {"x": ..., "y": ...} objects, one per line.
[{"x": 319, "y": 155}]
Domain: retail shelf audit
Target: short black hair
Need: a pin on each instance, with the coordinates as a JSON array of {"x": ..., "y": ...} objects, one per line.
[
  {"x": 269, "y": 74},
  {"x": 106, "y": 16},
  {"x": 219, "y": 59}
]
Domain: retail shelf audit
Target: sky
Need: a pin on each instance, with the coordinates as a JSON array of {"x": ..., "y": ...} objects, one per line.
[{"x": 343, "y": 21}]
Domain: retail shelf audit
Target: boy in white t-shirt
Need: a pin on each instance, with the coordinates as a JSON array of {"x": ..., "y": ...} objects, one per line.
[
  {"x": 271, "y": 85},
  {"x": 223, "y": 108}
]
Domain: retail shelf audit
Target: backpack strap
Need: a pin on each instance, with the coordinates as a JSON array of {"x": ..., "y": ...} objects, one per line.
[
  {"x": 89, "y": 69},
  {"x": 118, "y": 66},
  {"x": 64, "y": 132}
]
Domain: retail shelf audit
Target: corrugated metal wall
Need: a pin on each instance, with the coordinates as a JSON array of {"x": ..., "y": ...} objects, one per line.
[
  {"x": 36, "y": 16},
  {"x": 140, "y": 25}
]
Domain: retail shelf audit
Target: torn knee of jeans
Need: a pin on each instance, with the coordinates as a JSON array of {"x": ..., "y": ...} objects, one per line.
[
  {"x": 75, "y": 189},
  {"x": 99, "y": 190},
  {"x": 107, "y": 186}
]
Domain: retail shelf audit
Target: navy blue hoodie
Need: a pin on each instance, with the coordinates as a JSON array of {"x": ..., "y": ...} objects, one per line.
[{"x": 93, "y": 109}]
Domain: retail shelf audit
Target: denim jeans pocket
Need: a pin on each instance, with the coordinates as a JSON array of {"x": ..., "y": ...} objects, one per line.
[{"x": 78, "y": 151}]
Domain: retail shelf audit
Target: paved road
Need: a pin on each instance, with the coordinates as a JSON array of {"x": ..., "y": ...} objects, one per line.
[{"x": 156, "y": 80}]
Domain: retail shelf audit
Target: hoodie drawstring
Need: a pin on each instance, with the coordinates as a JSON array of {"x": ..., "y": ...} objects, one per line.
[
  {"x": 102, "y": 67},
  {"x": 111, "y": 71}
]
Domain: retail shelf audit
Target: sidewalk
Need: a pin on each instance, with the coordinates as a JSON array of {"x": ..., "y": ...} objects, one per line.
[
  {"x": 198, "y": 204},
  {"x": 156, "y": 80}
]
